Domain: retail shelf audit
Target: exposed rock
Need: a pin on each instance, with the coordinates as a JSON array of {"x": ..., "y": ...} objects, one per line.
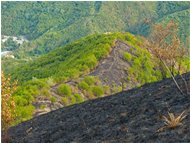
[
  {"x": 113, "y": 69},
  {"x": 130, "y": 116}
]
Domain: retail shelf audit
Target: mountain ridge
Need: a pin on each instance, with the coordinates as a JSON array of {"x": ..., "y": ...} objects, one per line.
[{"x": 80, "y": 71}]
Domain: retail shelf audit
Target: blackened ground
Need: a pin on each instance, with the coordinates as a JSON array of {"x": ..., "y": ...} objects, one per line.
[{"x": 132, "y": 116}]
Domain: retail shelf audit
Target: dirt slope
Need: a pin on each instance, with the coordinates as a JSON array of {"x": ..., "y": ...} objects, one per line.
[
  {"x": 113, "y": 69},
  {"x": 130, "y": 116}
]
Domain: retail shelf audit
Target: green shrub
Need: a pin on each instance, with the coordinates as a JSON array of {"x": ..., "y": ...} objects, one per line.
[
  {"x": 45, "y": 92},
  {"x": 127, "y": 56},
  {"x": 78, "y": 98},
  {"x": 137, "y": 62},
  {"x": 65, "y": 101},
  {"x": 116, "y": 89},
  {"x": 73, "y": 100},
  {"x": 91, "y": 61},
  {"x": 106, "y": 89},
  {"x": 90, "y": 80},
  {"x": 83, "y": 85},
  {"x": 23, "y": 113},
  {"x": 97, "y": 91},
  {"x": 42, "y": 106},
  {"x": 53, "y": 99},
  {"x": 20, "y": 101},
  {"x": 38, "y": 82},
  {"x": 50, "y": 81},
  {"x": 64, "y": 89}
]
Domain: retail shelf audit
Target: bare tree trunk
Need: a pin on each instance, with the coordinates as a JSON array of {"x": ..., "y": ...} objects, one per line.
[
  {"x": 172, "y": 77},
  {"x": 186, "y": 86}
]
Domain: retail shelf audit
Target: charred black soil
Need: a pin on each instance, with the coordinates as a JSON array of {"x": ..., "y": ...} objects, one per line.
[{"x": 129, "y": 116}]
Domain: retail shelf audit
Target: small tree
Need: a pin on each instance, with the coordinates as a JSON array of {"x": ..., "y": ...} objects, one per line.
[
  {"x": 7, "y": 102},
  {"x": 164, "y": 44}
]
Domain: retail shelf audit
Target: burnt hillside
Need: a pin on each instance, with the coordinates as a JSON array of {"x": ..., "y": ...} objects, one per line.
[{"x": 131, "y": 116}]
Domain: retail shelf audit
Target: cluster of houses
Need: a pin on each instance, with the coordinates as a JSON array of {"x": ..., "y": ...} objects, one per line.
[{"x": 20, "y": 40}]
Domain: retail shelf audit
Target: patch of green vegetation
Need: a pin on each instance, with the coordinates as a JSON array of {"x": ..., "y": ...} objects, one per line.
[
  {"x": 42, "y": 106},
  {"x": 65, "y": 101},
  {"x": 185, "y": 64},
  {"x": 83, "y": 85},
  {"x": 78, "y": 98},
  {"x": 98, "y": 91},
  {"x": 90, "y": 80},
  {"x": 45, "y": 92},
  {"x": 70, "y": 61},
  {"x": 92, "y": 87},
  {"x": 115, "y": 88},
  {"x": 142, "y": 69},
  {"x": 65, "y": 90},
  {"x": 72, "y": 100},
  {"x": 107, "y": 90},
  {"x": 50, "y": 81},
  {"x": 53, "y": 99},
  {"x": 23, "y": 113},
  {"x": 25, "y": 95},
  {"x": 127, "y": 56}
]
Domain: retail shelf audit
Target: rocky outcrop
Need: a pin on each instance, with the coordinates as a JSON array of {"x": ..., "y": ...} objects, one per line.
[
  {"x": 131, "y": 116},
  {"x": 113, "y": 70}
]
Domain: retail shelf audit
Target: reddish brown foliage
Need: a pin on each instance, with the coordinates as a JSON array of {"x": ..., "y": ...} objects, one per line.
[
  {"x": 166, "y": 46},
  {"x": 7, "y": 102}
]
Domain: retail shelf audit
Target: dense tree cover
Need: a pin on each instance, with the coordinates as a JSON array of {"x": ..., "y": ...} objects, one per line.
[
  {"x": 67, "y": 62},
  {"x": 53, "y": 24},
  {"x": 165, "y": 8},
  {"x": 35, "y": 18}
]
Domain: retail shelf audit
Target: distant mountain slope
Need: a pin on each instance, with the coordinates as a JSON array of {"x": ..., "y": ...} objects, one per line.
[
  {"x": 54, "y": 24},
  {"x": 72, "y": 73},
  {"x": 94, "y": 66},
  {"x": 80, "y": 57},
  {"x": 131, "y": 116},
  {"x": 184, "y": 27}
]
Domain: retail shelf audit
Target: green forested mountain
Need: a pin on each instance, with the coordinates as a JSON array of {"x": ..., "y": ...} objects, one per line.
[
  {"x": 73, "y": 60},
  {"x": 53, "y": 24}
]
